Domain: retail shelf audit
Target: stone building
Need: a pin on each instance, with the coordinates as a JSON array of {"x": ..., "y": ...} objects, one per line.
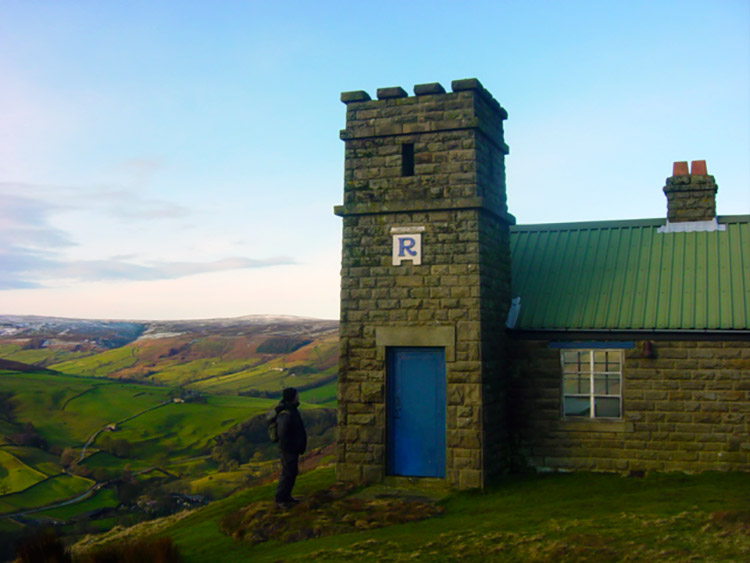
[{"x": 470, "y": 345}]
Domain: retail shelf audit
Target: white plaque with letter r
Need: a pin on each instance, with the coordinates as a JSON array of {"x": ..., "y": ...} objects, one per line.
[{"x": 407, "y": 245}]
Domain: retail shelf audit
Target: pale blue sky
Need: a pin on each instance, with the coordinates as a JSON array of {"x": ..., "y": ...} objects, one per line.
[{"x": 181, "y": 159}]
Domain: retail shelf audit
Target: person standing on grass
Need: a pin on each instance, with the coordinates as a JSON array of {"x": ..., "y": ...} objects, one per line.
[{"x": 292, "y": 444}]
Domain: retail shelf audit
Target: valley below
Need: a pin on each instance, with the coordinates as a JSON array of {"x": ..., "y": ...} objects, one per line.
[{"x": 106, "y": 423}]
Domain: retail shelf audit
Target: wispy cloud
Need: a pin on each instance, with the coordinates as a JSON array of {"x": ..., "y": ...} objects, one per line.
[
  {"x": 31, "y": 246},
  {"x": 24, "y": 268},
  {"x": 125, "y": 204},
  {"x": 102, "y": 270},
  {"x": 24, "y": 221},
  {"x": 115, "y": 201}
]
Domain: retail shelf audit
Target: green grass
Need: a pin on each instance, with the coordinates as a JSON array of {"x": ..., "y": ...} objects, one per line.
[
  {"x": 16, "y": 475},
  {"x": 43, "y": 357},
  {"x": 104, "y": 460},
  {"x": 42, "y": 461},
  {"x": 265, "y": 377},
  {"x": 100, "y": 365},
  {"x": 560, "y": 517},
  {"x": 40, "y": 399},
  {"x": 43, "y": 493},
  {"x": 207, "y": 370},
  {"x": 186, "y": 429},
  {"x": 325, "y": 395},
  {"x": 66, "y": 410},
  {"x": 7, "y": 349},
  {"x": 6, "y": 428},
  {"x": 102, "y": 498},
  {"x": 194, "y": 468},
  {"x": 179, "y": 374}
]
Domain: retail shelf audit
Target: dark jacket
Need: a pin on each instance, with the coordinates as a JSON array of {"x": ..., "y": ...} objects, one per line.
[{"x": 292, "y": 435}]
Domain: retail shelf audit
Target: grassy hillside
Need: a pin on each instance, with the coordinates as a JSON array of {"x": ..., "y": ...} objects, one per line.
[
  {"x": 42, "y": 357},
  {"x": 165, "y": 446},
  {"x": 185, "y": 430},
  {"x": 560, "y": 517},
  {"x": 325, "y": 395},
  {"x": 101, "y": 364},
  {"x": 66, "y": 410},
  {"x": 58, "y": 487},
  {"x": 217, "y": 364},
  {"x": 15, "y": 475},
  {"x": 140, "y": 423}
]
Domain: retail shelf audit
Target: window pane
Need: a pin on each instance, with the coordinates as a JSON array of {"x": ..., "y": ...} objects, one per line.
[
  {"x": 576, "y": 361},
  {"x": 577, "y": 406},
  {"x": 601, "y": 385},
  {"x": 576, "y": 385},
  {"x": 607, "y": 407},
  {"x": 606, "y": 360},
  {"x": 570, "y": 357},
  {"x": 584, "y": 362},
  {"x": 606, "y": 384}
]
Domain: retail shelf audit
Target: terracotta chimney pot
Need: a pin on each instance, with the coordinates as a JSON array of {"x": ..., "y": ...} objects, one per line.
[
  {"x": 698, "y": 168},
  {"x": 680, "y": 169}
]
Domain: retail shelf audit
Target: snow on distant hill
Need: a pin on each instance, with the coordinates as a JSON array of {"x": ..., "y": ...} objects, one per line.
[{"x": 113, "y": 333}]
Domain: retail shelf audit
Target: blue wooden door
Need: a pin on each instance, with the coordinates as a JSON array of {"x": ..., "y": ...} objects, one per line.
[{"x": 416, "y": 412}]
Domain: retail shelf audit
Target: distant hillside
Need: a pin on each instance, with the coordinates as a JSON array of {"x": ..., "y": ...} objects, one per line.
[
  {"x": 254, "y": 355},
  {"x": 108, "y": 334},
  {"x": 10, "y": 365}
]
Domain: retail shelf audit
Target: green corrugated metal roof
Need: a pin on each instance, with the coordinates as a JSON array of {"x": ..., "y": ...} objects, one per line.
[{"x": 625, "y": 275}]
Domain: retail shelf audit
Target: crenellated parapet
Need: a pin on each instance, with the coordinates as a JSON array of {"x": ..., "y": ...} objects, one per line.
[
  {"x": 442, "y": 150},
  {"x": 469, "y": 106}
]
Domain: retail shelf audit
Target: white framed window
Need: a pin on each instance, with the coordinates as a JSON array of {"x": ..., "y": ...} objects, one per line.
[{"x": 592, "y": 383}]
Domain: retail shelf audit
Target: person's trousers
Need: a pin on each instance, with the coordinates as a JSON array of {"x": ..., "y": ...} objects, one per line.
[{"x": 289, "y": 471}]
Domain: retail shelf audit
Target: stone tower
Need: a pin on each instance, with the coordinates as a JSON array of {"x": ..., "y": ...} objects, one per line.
[{"x": 425, "y": 285}]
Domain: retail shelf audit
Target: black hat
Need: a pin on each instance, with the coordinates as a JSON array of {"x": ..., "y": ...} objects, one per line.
[{"x": 288, "y": 394}]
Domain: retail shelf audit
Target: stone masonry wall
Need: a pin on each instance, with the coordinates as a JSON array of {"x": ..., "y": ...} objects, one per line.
[
  {"x": 686, "y": 409},
  {"x": 443, "y": 291},
  {"x": 494, "y": 303},
  {"x": 457, "y": 194}
]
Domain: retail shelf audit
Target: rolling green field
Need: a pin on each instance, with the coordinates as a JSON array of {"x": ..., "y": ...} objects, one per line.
[
  {"x": 154, "y": 432},
  {"x": 15, "y": 475},
  {"x": 103, "y": 498},
  {"x": 184, "y": 429},
  {"x": 175, "y": 373},
  {"x": 46, "y": 492},
  {"x": 67, "y": 410},
  {"x": 44, "y": 462},
  {"x": 102, "y": 364},
  {"x": 325, "y": 395},
  {"x": 210, "y": 366},
  {"x": 42, "y": 357}
]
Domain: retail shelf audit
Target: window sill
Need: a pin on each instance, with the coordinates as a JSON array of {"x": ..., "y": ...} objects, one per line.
[{"x": 596, "y": 425}]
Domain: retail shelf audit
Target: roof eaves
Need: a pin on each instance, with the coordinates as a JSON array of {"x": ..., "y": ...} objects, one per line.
[{"x": 639, "y": 334}]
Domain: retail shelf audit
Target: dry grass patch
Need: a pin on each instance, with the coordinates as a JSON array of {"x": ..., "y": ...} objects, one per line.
[{"x": 324, "y": 513}]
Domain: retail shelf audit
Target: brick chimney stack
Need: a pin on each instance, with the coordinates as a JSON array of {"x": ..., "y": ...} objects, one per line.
[{"x": 690, "y": 196}]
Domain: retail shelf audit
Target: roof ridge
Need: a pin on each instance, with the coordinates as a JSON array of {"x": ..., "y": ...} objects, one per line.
[{"x": 614, "y": 223}]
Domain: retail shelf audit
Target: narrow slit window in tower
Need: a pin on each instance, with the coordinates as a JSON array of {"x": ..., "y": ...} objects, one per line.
[{"x": 407, "y": 159}]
